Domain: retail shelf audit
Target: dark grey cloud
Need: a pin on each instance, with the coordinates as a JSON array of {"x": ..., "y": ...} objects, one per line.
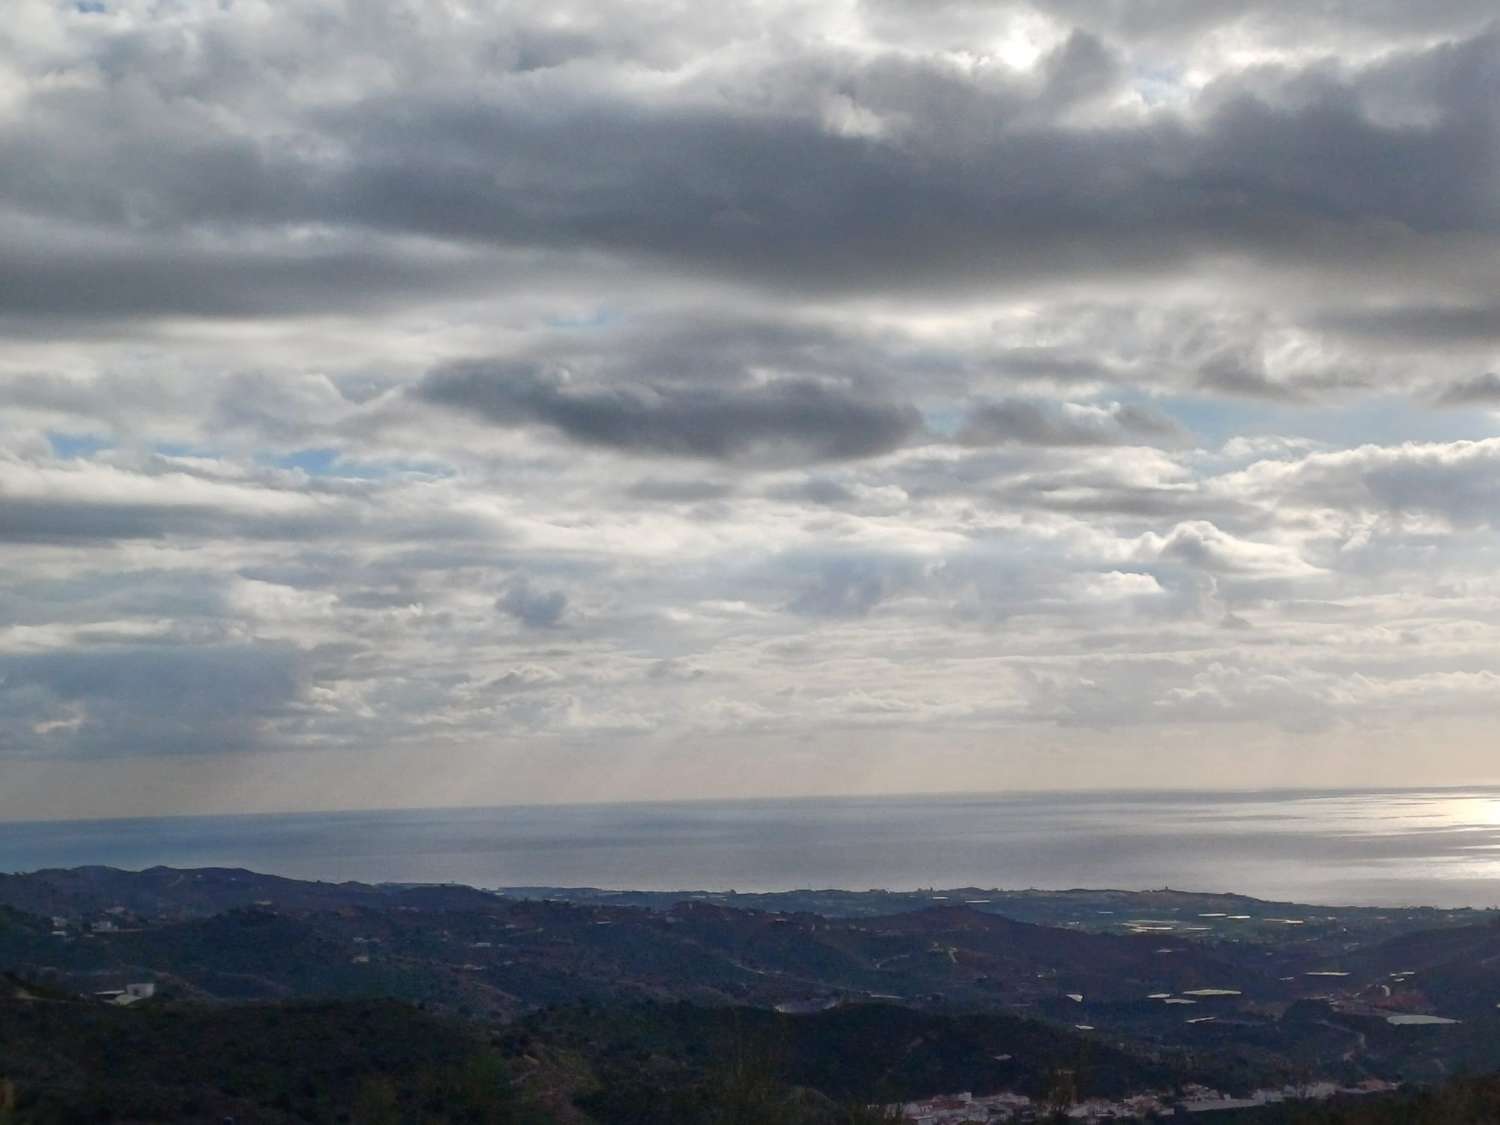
[
  {"x": 971, "y": 182},
  {"x": 783, "y": 421},
  {"x": 1243, "y": 373},
  {"x": 722, "y": 346},
  {"x": 1480, "y": 390},
  {"x": 532, "y": 607},
  {"x": 841, "y": 584},
  {"x": 1301, "y": 178},
  {"x": 1425, "y": 325},
  {"x": 43, "y": 521},
  {"x": 97, "y": 287},
  {"x": 1026, "y": 422},
  {"x": 677, "y": 491},
  {"x": 815, "y": 490},
  {"x": 194, "y": 602},
  {"x": 199, "y": 699},
  {"x": 80, "y": 520}
]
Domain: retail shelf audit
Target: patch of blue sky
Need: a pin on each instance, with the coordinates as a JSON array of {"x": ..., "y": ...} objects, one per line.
[
  {"x": 314, "y": 462},
  {"x": 597, "y": 318},
  {"x": 182, "y": 449},
  {"x": 325, "y": 462},
  {"x": 1159, "y": 85},
  {"x": 945, "y": 421},
  {"x": 1381, "y": 420},
  {"x": 70, "y": 446}
]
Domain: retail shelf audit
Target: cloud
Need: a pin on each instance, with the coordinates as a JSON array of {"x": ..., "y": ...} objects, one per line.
[
  {"x": 1451, "y": 480},
  {"x": 781, "y": 422},
  {"x": 935, "y": 203},
  {"x": 249, "y": 181},
  {"x": 1420, "y": 325},
  {"x": 576, "y": 382},
  {"x": 535, "y": 609},
  {"x": 851, "y": 586},
  {"x": 1040, "y": 423},
  {"x": 1479, "y": 390},
  {"x": 679, "y": 491},
  {"x": 1201, "y": 545},
  {"x": 193, "y": 699},
  {"x": 1171, "y": 22},
  {"x": 87, "y": 502}
]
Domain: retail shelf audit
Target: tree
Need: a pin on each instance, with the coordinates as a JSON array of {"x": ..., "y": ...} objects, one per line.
[{"x": 376, "y": 1103}]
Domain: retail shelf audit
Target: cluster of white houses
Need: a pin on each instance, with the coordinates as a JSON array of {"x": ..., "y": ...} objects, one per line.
[{"x": 130, "y": 994}]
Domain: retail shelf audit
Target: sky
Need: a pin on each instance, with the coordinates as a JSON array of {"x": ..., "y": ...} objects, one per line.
[{"x": 424, "y": 402}]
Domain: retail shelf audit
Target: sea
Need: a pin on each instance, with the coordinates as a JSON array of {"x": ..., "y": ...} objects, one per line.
[{"x": 1433, "y": 847}]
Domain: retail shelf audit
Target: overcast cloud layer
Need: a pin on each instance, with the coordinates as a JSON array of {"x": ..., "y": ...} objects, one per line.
[{"x": 409, "y": 403}]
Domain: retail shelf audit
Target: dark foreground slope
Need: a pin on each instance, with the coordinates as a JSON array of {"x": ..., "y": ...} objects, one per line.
[
  {"x": 647, "y": 1055},
  {"x": 622, "y": 1006},
  {"x": 1471, "y": 1100},
  {"x": 67, "y": 1061},
  {"x": 70, "y": 1060}
]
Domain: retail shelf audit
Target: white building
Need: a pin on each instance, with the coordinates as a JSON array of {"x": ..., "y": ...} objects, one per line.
[{"x": 134, "y": 993}]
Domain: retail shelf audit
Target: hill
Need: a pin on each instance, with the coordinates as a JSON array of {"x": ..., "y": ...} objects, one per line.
[{"x": 70, "y": 1062}]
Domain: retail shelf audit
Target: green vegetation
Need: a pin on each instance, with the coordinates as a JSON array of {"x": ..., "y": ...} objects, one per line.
[
  {"x": 67, "y": 1060},
  {"x": 303, "y": 1062},
  {"x": 279, "y": 1001},
  {"x": 380, "y": 1061},
  {"x": 1459, "y": 1101},
  {"x": 863, "y": 1052}
]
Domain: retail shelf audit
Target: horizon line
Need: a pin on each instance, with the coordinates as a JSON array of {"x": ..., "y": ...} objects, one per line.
[{"x": 991, "y": 794}]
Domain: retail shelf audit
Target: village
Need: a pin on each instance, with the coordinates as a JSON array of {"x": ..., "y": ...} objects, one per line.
[{"x": 966, "y": 1108}]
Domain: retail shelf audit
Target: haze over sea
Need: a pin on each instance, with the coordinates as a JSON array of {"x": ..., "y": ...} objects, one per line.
[{"x": 1391, "y": 847}]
